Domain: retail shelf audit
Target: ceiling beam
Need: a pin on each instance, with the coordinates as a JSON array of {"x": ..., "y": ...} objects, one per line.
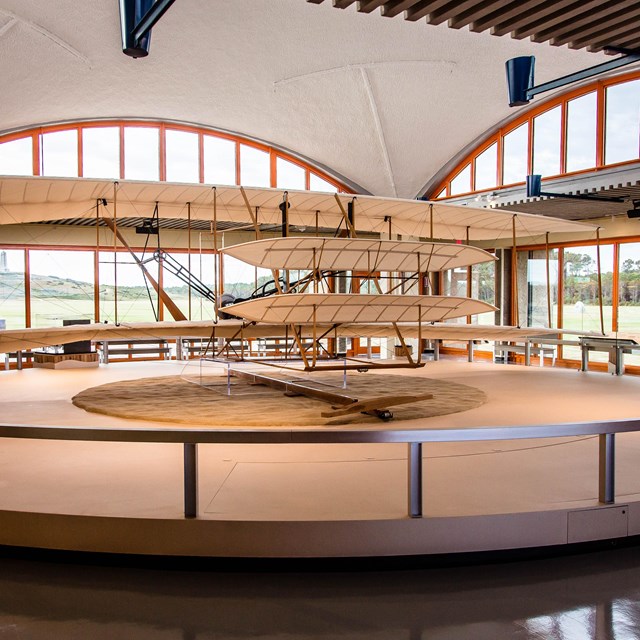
[
  {"x": 367, "y": 6},
  {"x": 342, "y": 4},
  {"x": 586, "y": 26},
  {"x": 542, "y": 13},
  {"x": 478, "y": 10},
  {"x": 396, "y": 7},
  {"x": 503, "y": 15},
  {"x": 424, "y": 8},
  {"x": 557, "y": 19},
  {"x": 582, "y": 24},
  {"x": 439, "y": 16}
]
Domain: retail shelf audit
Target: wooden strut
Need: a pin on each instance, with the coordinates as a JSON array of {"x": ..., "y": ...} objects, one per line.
[
  {"x": 216, "y": 255},
  {"x": 96, "y": 276},
  {"x": 189, "y": 253},
  {"x": 115, "y": 255},
  {"x": 163, "y": 295},
  {"x": 514, "y": 275},
  {"x": 396, "y": 328},
  {"x": 301, "y": 349},
  {"x": 254, "y": 221},
  {"x": 227, "y": 341},
  {"x": 546, "y": 247},
  {"x": 345, "y": 215},
  {"x": 599, "y": 280}
]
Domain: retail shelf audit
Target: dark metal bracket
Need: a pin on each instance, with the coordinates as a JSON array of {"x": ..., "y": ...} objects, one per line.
[
  {"x": 520, "y": 74},
  {"x": 137, "y": 18}
]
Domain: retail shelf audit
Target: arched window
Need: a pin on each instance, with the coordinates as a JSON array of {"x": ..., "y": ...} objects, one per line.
[
  {"x": 592, "y": 127},
  {"x": 155, "y": 151}
]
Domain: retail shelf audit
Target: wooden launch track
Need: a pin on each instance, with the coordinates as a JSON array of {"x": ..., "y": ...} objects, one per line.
[{"x": 341, "y": 404}]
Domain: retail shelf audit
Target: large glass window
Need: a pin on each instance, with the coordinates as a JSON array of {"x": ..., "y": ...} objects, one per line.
[
  {"x": 12, "y": 302},
  {"x": 483, "y": 287},
  {"x": 581, "y": 132},
  {"x": 101, "y": 152},
  {"x": 254, "y": 167},
  {"x": 622, "y": 126},
  {"x": 455, "y": 282},
  {"x": 62, "y": 286},
  {"x": 546, "y": 142},
  {"x": 316, "y": 183},
  {"x": 462, "y": 182},
  {"x": 16, "y": 157},
  {"x": 629, "y": 294},
  {"x": 219, "y": 160},
  {"x": 580, "y": 308},
  {"x": 183, "y": 164},
  {"x": 200, "y": 265},
  {"x": 487, "y": 168},
  {"x": 141, "y": 153},
  {"x": 290, "y": 175},
  {"x": 533, "y": 290},
  {"x": 136, "y": 301},
  {"x": 516, "y": 151},
  {"x": 241, "y": 279},
  {"x": 59, "y": 153}
]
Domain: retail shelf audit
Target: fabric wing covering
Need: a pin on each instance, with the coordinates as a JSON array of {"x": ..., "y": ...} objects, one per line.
[
  {"x": 306, "y": 308},
  {"x": 356, "y": 254},
  {"x": 39, "y": 198},
  {"x": 12, "y": 340}
]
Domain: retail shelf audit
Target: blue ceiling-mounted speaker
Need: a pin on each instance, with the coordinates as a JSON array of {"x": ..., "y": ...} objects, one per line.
[
  {"x": 534, "y": 186},
  {"x": 519, "y": 79},
  {"x": 131, "y": 12}
]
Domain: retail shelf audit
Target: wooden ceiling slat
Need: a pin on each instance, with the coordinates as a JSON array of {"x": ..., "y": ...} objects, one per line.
[
  {"x": 584, "y": 28},
  {"x": 477, "y": 11},
  {"x": 633, "y": 42},
  {"x": 424, "y": 8},
  {"x": 502, "y": 14},
  {"x": 455, "y": 7},
  {"x": 584, "y": 24},
  {"x": 367, "y": 6},
  {"x": 392, "y": 9},
  {"x": 559, "y": 19},
  {"x": 543, "y": 12},
  {"x": 617, "y": 36},
  {"x": 343, "y": 4}
]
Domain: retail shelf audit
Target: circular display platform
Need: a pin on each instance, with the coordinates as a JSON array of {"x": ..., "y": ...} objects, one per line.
[{"x": 196, "y": 400}]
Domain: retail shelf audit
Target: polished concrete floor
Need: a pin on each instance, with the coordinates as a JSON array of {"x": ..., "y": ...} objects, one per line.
[{"x": 592, "y": 596}]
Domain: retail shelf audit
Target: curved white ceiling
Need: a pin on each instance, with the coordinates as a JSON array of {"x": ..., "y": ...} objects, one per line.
[{"x": 384, "y": 102}]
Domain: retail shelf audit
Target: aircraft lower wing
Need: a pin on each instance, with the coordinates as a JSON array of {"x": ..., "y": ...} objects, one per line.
[{"x": 12, "y": 340}]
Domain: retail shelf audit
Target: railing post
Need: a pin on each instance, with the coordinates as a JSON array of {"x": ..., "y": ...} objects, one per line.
[
  {"x": 190, "y": 480},
  {"x": 607, "y": 468},
  {"x": 414, "y": 467}
]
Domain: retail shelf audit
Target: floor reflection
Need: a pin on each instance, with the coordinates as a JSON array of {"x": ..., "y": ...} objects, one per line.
[{"x": 592, "y": 596}]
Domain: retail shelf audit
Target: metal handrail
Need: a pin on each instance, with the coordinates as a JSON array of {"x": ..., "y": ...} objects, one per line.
[{"x": 414, "y": 438}]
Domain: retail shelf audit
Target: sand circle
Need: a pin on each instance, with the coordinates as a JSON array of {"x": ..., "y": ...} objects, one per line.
[{"x": 184, "y": 400}]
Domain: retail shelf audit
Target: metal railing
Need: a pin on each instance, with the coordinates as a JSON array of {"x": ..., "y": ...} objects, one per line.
[{"x": 413, "y": 438}]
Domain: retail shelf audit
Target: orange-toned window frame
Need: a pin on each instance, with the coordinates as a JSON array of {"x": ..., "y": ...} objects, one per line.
[
  {"x": 615, "y": 294},
  {"x": 36, "y": 132},
  {"x": 599, "y": 87}
]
